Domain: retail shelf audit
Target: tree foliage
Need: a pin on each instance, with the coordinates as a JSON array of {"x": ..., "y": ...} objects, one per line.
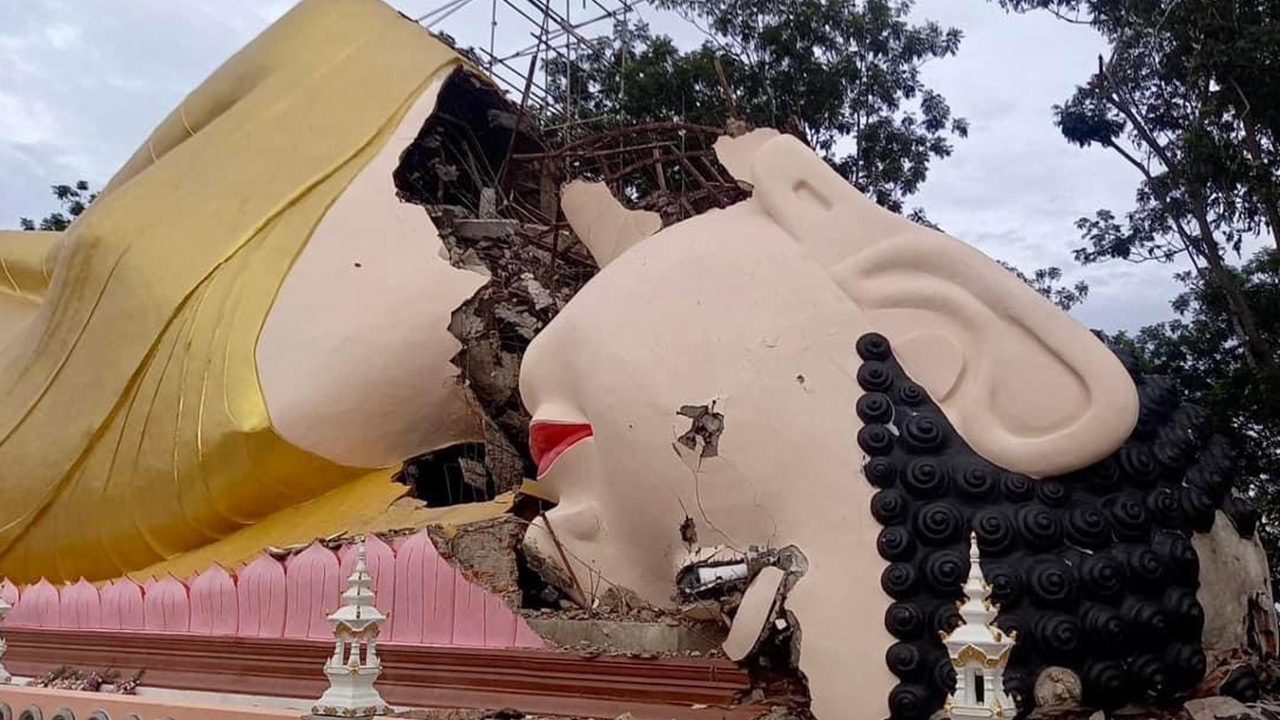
[
  {"x": 1188, "y": 101},
  {"x": 74, "y": 199},
  {"x": 1046, "y": 281},
  {"x": 843, "y": 75},
  {"x": 1190, "y": 98},
  {"x": 1201, "y": 353}
]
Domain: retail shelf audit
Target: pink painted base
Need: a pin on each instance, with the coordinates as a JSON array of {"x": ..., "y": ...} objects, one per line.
[{"x": 428, "y": 601}]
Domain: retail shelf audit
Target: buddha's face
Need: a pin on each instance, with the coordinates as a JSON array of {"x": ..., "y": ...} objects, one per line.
[
  {"x": 748, "y": 312},
  {"x": 760, "y": 347},
  {"x": 720, "y": 326},
  {"x": 707, "y": 388}
]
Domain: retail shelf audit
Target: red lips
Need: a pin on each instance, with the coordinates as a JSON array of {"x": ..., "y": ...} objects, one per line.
[{"x": 548, "y": 439}]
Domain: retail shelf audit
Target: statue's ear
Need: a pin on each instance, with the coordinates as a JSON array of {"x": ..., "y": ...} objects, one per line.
[
  {"x": 737, "y": 154},
  {"x": 602, "y": 223},
  {"x": 1029, "y": 388}
]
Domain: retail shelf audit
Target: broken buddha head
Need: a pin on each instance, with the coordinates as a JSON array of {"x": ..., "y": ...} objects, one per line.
[{"x": 805, "y": 381}]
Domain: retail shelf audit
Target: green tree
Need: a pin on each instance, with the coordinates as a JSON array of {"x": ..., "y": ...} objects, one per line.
[
  {"x": 1189, "y": 96},
  {"x": 843, "y": 75},
  {"x": 73, "y": 199},
  {"x": 1179, "y": 99},
  {"x": 1199, "y": 351},
  {"x": 1046, "y": 282}
]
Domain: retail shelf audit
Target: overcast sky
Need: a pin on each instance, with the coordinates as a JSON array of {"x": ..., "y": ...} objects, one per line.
[{"x": 82, "y": 83}]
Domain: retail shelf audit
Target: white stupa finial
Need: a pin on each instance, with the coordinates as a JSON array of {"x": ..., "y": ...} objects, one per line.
[
  {"x": 976, "y": 610},
  {"x": 356, "y": 625},
  {"x": 979, "y": 651},
  {"x": 359, "y": 593}
]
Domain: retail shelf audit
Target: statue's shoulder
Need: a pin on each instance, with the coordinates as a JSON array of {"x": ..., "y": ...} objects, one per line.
[{"x": 27, "y": 259}]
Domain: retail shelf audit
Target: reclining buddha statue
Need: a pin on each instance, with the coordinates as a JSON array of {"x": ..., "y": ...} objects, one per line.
[
  {"x": 245, "y": 325},
  {"x": 246, "y": 334}
]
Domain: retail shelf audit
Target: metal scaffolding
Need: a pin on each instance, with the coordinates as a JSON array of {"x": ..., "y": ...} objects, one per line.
[
  {"x": 555, "y": 34},
  {"x": 666, "y": 167}
]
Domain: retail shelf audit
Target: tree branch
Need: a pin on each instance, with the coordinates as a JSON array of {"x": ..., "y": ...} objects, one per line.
[
  {"x": 1146, "y": 172},
  {"x": 1072, "y": 20}
]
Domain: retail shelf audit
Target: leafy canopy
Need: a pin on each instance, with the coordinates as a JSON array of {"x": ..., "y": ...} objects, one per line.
[
  {"x": 73, "y": 198},
  {"x": 844, "y": 75},
  {"x": 1190, "y": 98}
]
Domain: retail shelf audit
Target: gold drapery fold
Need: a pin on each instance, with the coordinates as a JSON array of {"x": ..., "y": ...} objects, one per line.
[{"x": 132, "y": 427}]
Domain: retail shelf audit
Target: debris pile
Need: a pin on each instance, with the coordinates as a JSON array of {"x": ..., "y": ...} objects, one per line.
[
  {"x": 745, "y": 594},
  {"x": 485, "y": 553},
  {"x": 490, "y": 215},
  {"x": 490, "y": 181},
  {"x": 69, "y": 678}
]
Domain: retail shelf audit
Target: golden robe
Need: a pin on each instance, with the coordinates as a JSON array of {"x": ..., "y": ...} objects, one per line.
[{"x": 132, "y": 426}]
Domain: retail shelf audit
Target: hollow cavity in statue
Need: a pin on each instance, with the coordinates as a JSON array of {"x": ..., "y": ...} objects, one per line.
[{"x": 193, "y": 373}]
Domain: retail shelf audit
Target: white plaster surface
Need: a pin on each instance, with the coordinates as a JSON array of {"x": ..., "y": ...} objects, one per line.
[
  {"x": 753, "y": 613},
  {"x": 1030, "y": 389},
  {"x": 758, "y": 307},
  {"x": 354, "y": 357},
  {"x": 737, "y": 154},
  {"x": 726, "y": 307},
  {"x": 602, "y": 223}
]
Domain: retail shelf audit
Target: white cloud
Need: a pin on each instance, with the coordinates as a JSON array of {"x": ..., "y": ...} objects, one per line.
[
  {"x": 1015, "y": 187},
  {"x": 14, "y": 59},
  {"x": 62, "y": 36},
  {"x": 26, "y": 121}
]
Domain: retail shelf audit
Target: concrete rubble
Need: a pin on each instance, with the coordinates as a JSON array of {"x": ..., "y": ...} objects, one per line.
[
  {"x": 494, "y": 196},
  {"x": 485, "y": 553}
]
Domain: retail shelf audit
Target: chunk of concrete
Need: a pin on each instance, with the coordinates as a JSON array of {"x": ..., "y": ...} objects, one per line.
[
  {"x": 1233, "y": 576},
  {"x": 484, "y": 552},
  {"x": 612, "y": 636},
  {"x": 1057, "y": 687},
  {"x": 738, "y": 153},
  {"x": 1218, "y": 708},
  {"x": 754, "y": 614},
  {"x": 485, "y": 229}
]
